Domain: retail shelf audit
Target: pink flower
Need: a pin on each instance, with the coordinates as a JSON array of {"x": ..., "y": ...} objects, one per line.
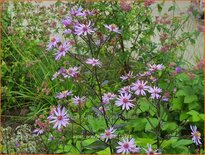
[
  {"x": 125, "y": 89},
  {"x": 59, "y": 117},
  {"x": 63, "y": 94},
  {"x": 155, "y": 92},
  {"x": 62, "y": 50},
  {"x": 196, "y": 135},
  {"x": 128, "y": 76},
  {"x": 139, "y": 87},
  {"x": 124, "y": 101},
  {"x": 83, "y": 29},
  {"x": 94, "y": 62},
  {"x": 112, "y": 28},
  {"x": 54, "y": 41},
  {"x": 127, "y": 146},
  {"x": 79, "y": 101},
  {"x": 108, "y": 134},
  {"x": 149, "y": 2},
  {"x": 155, "y": 67},
  {"x": 150, "y": 150},
  {"x": 107, "y": 97},
  {"x": 67, "y": 22}
]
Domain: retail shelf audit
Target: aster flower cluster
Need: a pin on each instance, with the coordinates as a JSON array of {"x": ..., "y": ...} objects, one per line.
[
  {"x": 60, "y": 47},
  {"x": 71, "y": 72},
  {"x": 140, "y": 85}
]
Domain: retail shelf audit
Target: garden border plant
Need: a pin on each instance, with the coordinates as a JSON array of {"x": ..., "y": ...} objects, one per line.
[{"x": 117, "y": 96}]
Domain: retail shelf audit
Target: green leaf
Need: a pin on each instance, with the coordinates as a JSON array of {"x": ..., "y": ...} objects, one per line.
[
  {"x": 169, "y": 126},
  {"x": 177, "y": 103},
  {"x": 144, "y": 104},
  {"x": 190, "y": 98},
  {"x": 183, "y": 116},
  {"x": 194, "y": 116},
  {"x": 106, "y": 151},
  {"x": 181, "y": 93},
  {"x": 154, "y": 123},
  {"x": 137, "y": 124},
  {"x": 96, "y": 123},
  {"x": 169, "y": 142},
  {"x": 182, "y": 142},
  {"x": 144, "y": 141},
  {"x": 97, "y": 145}
]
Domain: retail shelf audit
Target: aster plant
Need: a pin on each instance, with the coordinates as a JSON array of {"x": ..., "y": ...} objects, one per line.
[
  {"x": 115, "y": 88},
  {"x": 138, "y": 101}
]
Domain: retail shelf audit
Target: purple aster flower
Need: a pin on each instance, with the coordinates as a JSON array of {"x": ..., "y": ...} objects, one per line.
[
  {"x": 178, "y": 70},
  {"x": 71, "y": 72},
  {"x": 155, "y": 67},
  {"x": 126, "y": 89},
  {"x": 59, "y": 72},
  {"x": 166, "y": 97},
  {"x": 17, "y": 144},
  {"x": 196, "y": 135},
  {"x": 62, "y": 50},
  {"x": 112, "y": 28},
  {"x": 51, "y": 138},
  {"x": 148, "y": 73},
  {"x": 67, "y": 21},
  {"x": 124, "y": 101},
  {"x": 79, "y": 101},
  {"x": 107, "y": 97},
  {"x": 149, "y": 150},
  {"x": 127, "y": 146},
  {"x": 108, "y": 134},
  {"x": 59, "y": 117},
  {"x": 88, "y": 13},
  {"x": 155, "y": 92},
  {"x": 128, "y": 76},
  {"x": 54, "y": 41},
  {"x": 63, "y": 94},
  {"x": 77, "y": 12},
  {"x": 38, "y": 131},
  {"x": 93, "y": 62},
  {"x": 68, "y": 31},
  {"x": 83, "y": 29},
  {"x": 139, "y": 87},
  {"x": 106, "y": 108}
]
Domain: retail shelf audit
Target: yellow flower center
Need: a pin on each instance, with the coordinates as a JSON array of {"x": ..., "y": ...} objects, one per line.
[{"x": 197, "y": 134}]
